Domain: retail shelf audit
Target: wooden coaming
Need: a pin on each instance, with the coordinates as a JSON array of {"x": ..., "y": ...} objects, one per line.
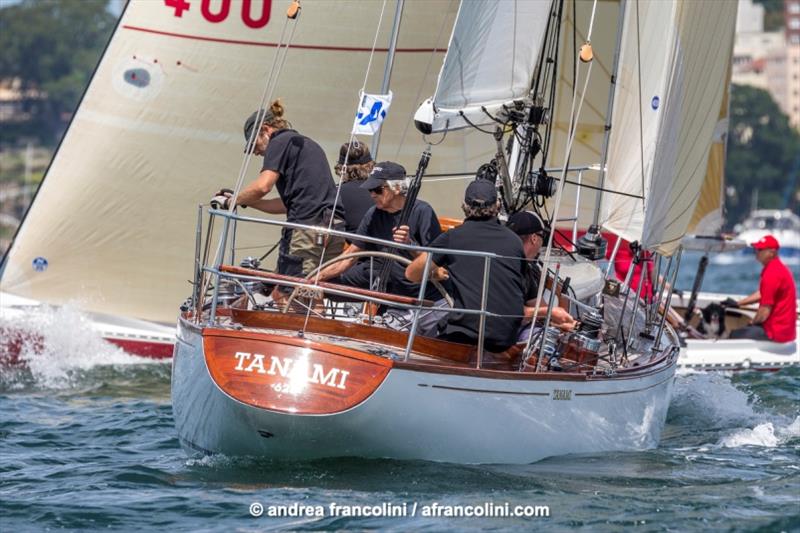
[
  {"x": 423, "y": 345},
  {"x": 273, "y": 276}
]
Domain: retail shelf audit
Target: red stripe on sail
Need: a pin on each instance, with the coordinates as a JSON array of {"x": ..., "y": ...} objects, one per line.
[{"x": 275, "y": 45}]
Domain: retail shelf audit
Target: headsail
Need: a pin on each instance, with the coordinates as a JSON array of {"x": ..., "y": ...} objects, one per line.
[
  {"x": 491, "y": 58},
  {"x": 159, "y": 130},
  {"x": 674, "y": 65},
  {"x": 709, "y": 215}
]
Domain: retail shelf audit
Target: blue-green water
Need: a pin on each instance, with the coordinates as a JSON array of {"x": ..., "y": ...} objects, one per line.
[{"x": 87, "y": 442}]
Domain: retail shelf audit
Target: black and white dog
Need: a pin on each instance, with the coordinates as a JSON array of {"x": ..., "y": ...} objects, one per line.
[{"x": 713, "y": 323}]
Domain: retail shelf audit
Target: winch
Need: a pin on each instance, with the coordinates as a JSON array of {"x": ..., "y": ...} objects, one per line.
[{"x": 583, "y": 346}]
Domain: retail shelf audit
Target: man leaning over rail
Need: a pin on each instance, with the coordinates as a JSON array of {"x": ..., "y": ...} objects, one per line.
[
  {"x": 533, "y": 233},
  {"x": 481, "y": 231},
  {"x": 297, "y": 166}
]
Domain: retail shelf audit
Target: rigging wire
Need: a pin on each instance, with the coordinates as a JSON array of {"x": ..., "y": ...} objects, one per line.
[
  {"x": 266, "y": 95},
  {"x": 574, "y": 116},
  {"x": 641, "y": 112},
  {"x": 346, "y": 157},
  {"x": 422, "y": 85}
]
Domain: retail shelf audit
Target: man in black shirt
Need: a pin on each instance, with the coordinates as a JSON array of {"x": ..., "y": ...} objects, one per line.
[
  {"x": 298, "y": 168},
  {"x": 533, "y": 233},
  {"x": 354, "y": 165},
  {"x": 387, "y": 185},
  {"x": 481, "y": 231}
]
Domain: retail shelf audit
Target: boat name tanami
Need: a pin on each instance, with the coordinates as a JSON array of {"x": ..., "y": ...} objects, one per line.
[{"x": 290, "y": 368}]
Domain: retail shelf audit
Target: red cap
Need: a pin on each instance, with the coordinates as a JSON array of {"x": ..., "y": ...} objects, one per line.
[{"x": 765, "y": 242}]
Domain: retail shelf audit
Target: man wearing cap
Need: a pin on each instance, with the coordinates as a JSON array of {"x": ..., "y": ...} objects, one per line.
[
  {"x": 533, "y": 233},
  {"x": 387, "y": 186},
  {"x": 481, "y": 231},
  {"x": 298, "y": 168},
  {"x": 776, "y": 296}
]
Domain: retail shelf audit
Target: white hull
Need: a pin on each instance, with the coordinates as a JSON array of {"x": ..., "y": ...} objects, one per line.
[
  {"x": 739, "y": 354},
  {"x": 735, "y": 354},
  {"x": 426, "y": 415}
]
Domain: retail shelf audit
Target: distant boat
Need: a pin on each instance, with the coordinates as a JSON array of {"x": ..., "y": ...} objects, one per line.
[
  {"x": 717, "y": 352},
  {"x": 780, "y": 223}
]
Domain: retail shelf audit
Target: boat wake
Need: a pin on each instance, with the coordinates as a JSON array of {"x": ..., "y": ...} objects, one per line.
[
  {"x": 53, "y": 347},
  {"x": 729, "y": 416},
  {"x": 766, "y": 435}
]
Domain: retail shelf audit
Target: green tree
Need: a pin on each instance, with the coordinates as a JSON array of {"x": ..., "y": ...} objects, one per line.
[
  {"x": 762, "y": 149},
  {"x": 773, "y": 14},
  {"x": 52, "y": 47}
]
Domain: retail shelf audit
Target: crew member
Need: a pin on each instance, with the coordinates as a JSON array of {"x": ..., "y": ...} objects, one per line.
[
  {"x": 776, "y": 317},
  {"x": 297, "y": 166},
  {"x": 533, "y": 233},
  {"x": 387, "y": 186},
  {"x": 481, "y": 231},
  {"x": 354, "y": 165}
]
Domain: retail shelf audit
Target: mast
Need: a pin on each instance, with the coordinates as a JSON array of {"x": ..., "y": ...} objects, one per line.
[
  {"x": 592, "y": 245},
  {"x": 387, "y": 71}
]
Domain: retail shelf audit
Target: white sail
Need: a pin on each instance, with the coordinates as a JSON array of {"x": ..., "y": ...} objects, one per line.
[
  {"x": 673, "y": 68},
  {"x": 709, "y": 213},
  {"x": 160, "y": 129},
  {"x": 590, "y": 130},
  {"x": 493, "y": 51}
]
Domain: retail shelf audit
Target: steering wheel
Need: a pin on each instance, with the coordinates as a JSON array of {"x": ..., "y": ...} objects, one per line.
[{"x": 385, "y": 255}]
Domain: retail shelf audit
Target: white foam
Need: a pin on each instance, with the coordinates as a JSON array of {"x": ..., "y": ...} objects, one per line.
[
  {"x": 711, "y": 397},
  {"x": 58, "y": 341},
  {"x": 765, "y": 435}
]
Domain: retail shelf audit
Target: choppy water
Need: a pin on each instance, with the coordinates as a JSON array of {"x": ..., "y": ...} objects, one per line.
[{"x": 87, "y": 442}]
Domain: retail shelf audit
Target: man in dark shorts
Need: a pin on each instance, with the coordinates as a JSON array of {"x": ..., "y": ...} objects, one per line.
[
  {"x": 298, "y": 168},
  {"x": 533, "y": 233},
  {"x": 776, "y": 318},
  {"x": 481, "y": 231},
  {"x": 387, "y": 186}
]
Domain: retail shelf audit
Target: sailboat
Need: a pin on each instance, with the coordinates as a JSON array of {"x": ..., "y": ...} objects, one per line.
[
  {"x": 156, "y": 132},
  {"x": 712, "y": 350},
  {"x": 269, "y": 381}
]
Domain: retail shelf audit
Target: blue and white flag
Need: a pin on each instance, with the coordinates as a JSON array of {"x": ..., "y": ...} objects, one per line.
[{"x": 371, "y": 112}]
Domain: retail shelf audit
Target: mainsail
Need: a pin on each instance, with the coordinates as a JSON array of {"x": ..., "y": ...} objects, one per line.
[
  {"x": 671, "y": 87},
  {"x": 160, "y": 129}
]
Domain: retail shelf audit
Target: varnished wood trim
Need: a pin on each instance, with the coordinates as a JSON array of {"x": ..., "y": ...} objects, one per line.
[
  {"x": 450, "y": 351},
  {"x": 448, "y": 223},
  {"x": 272, "y": 276}
]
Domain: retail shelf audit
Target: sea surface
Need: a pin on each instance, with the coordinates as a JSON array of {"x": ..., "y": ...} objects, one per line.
[{"x": 87, "y": 443}]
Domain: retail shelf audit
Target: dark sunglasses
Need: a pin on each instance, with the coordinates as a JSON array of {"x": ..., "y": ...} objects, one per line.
[{"x": 377, "y": 190}]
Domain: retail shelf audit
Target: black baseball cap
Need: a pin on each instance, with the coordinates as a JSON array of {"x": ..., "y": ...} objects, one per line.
[
  {"x": 384, "y": 171},
  {"x": 265, "y": 115},
  {"x": 480, "y": 193},
  {"x": 527, "y": 223}
]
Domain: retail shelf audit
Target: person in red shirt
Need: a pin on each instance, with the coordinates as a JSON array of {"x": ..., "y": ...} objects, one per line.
[
  {"x": 624, "y": 261},
  {"x": 776, "y": 317}
]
